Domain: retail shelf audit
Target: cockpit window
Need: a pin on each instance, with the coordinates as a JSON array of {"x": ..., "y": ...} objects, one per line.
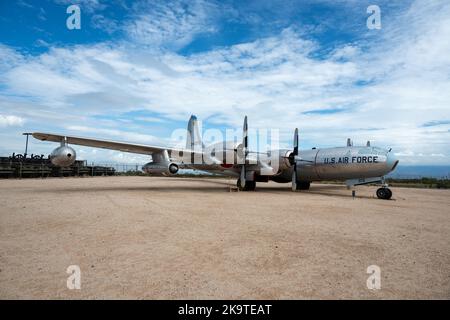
[
  {"x": 394, "y": 166},
  {"x": 377, "y": 150}
]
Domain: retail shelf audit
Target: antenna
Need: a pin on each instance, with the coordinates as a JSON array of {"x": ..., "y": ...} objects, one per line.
[{"x": 349, "y": 142}]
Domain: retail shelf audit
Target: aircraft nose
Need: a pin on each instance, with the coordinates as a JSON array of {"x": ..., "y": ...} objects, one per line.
[{"x": 391, "y": 161}]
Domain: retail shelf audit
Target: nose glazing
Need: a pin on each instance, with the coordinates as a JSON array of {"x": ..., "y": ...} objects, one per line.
[{"x": 391, "y": 161}]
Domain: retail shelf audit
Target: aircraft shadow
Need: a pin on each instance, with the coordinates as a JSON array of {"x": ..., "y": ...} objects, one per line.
[
  {"x": 211, "y": 186},
  {"x": 322, "y": 190},
  {"x": 185, "y": 189},
  {"x": 176, "y": 186}
]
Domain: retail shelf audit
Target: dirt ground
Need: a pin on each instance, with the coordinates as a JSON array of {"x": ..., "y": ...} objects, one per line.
[{"x": 180, "y": 238}]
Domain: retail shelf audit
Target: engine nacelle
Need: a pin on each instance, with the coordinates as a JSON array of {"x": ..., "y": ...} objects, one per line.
[
  {"x": 282, "y": 156},
  {"x": 157, "y": 168},
  {"x": 285, "y": 159},
  {"x": 63, "y": 156}
]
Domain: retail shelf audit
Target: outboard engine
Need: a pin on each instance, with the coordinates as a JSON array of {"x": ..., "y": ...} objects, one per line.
[
  {"x": 157, "y": 168},
  {"x": 63, "y": 156},
  {"x": 173, "y": 168}
]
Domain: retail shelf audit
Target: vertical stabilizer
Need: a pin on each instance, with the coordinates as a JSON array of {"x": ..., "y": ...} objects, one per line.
[{"x": 193, "y": 138}]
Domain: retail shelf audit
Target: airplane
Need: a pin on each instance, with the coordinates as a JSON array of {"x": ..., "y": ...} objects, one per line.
[{"x": 356, "y": 165}]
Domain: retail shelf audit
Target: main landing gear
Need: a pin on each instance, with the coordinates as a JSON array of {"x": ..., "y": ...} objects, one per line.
[
  {"x": 302, "y": 185},
  {"x": 384, "y": 193},
  {"x": 249, "y": 185}
]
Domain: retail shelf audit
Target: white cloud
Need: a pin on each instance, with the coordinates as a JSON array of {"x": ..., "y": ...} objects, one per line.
[
  {"x": 272, "y": 79},
  {"x": 117, "y": 134},
  {"x": 11, "y": 121},
  {"x": 88, "y": 5},
  {"x": 171, "y": 24}
]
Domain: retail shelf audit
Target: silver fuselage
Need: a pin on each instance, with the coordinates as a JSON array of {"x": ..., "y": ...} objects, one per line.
[
  {"x": 343, "y": 163},
  {"x": 339, "y": 163}
]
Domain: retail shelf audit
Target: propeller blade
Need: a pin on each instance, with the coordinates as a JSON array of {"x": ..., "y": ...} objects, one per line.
[
  {"x": 292, "y": 156},
  {"x": 245, "y": 138},
  {"x": 296, "y": 142},
  {"x": 245, "y": 151},
  {"x": 294, "y": 178},
  {"x": 243, "y": 176},
  {"x": 294, "y": 161}
]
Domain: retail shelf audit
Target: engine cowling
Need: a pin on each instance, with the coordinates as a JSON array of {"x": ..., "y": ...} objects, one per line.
[
  {"x": 283, "y": 159},
  {"x": 165, "y": 169},
  {"x": 173, "y": 168},
  {"x": 63, "y": 156}
]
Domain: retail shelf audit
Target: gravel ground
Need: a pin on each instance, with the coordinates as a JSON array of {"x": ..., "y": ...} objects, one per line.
[{"x": 180, "y": 238}]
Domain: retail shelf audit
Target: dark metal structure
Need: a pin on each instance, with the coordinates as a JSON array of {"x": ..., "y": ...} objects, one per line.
[{"x": 35, "y": 166}]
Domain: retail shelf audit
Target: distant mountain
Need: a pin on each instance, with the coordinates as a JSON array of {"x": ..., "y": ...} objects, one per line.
[{"x": 411, "y": 172}]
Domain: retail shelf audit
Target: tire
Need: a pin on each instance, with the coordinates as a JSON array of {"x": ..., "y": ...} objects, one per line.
[
  {"x": 384, "y": 193},
  {"x": 303, "y": 185},
  {"x": 249, "y": 185},
  {"x": 389, "y": 196}
]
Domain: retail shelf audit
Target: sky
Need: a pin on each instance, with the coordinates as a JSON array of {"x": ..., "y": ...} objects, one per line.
[{"x": 136, "y": 70}]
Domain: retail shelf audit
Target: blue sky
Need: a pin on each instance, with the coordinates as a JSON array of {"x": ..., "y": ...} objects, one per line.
[{"x": 136, "y": 71}]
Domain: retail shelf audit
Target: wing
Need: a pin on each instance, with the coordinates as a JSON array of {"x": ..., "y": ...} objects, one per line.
[
  {"x": 106, "y": 144},
  {"x": 174, "y": 153}
]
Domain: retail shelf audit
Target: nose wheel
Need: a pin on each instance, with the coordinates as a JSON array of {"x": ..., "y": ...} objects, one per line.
[{"x": 384, "y": 193}]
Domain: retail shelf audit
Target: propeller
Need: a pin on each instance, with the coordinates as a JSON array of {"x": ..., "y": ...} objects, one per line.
[
  {"x": 293, "y": 162},
  {"x": 244, "y": 150}
]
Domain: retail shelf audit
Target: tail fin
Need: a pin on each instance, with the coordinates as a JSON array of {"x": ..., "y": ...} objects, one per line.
[{"x": 193, "y": 138}]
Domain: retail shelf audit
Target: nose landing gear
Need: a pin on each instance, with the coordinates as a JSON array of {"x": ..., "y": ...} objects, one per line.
[
  {"x": 249, "y": 185},
  {"x": 384, "y": 193}
]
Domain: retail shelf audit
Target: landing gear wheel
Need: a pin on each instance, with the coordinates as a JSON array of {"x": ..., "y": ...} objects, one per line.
[
  {"x": 249, "y": 185},
  {"x": 303, "y": 185},
  {"x": 384, "y": 193}
]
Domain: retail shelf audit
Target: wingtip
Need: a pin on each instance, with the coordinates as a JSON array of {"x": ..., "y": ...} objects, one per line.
[{"x": 39, "y": 136}]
